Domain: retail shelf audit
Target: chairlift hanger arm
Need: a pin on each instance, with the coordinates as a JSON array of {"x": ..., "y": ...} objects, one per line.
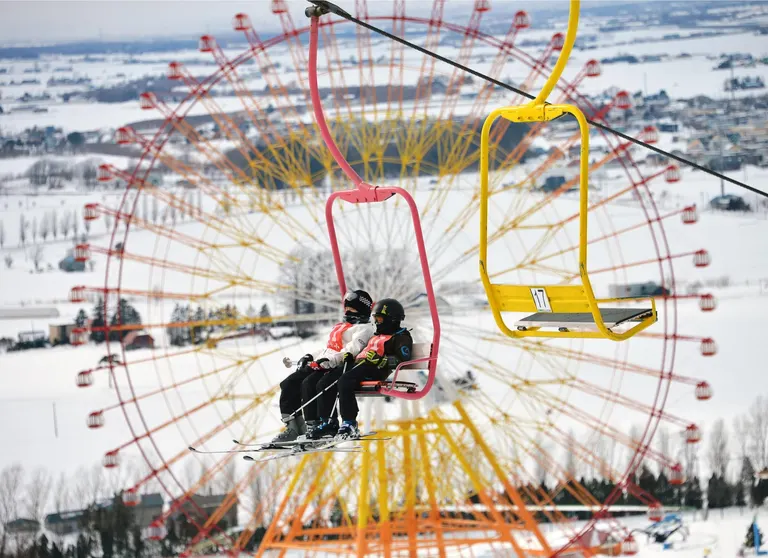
[
  {"x": 362, "y": 192},
  {"x": 328, "y": 7}
]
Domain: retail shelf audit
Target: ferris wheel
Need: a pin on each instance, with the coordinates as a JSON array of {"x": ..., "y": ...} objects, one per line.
[{"x": 234, "y": 271}]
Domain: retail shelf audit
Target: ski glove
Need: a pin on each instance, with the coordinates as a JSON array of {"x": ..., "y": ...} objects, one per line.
[
  {"x": 323, "y": 363},
  {"x": 303, "y": 361},
  {"x": 348, "y": 358},
  {"x": 377, "y": 360}
]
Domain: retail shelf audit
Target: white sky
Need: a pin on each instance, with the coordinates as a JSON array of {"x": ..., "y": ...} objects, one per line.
[
  {"x": 34, "y": 21},
  {"x": 46, "y": 21}
]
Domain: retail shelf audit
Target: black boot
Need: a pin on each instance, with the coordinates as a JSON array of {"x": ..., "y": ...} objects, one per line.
[{"x": 327, "y": 429}]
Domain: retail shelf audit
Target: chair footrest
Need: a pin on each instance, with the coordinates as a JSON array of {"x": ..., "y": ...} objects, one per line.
[
  {"x": 373, "y": 388},
  {"x": 612, "y": 317}
]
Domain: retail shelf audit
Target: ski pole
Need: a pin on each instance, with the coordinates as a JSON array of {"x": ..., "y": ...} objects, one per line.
[{"x": 318, "y": 395}]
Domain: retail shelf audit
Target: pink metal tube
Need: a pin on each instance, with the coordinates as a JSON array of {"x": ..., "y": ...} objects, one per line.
[
  {"x": 317, "y": 107},
  {"x": 365, "y": 193}
]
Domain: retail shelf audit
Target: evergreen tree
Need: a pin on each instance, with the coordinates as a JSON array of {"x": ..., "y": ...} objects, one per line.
[
  {"x": 647, "y": 481},
  {"x": 713, "y": 492},
  {"x": 124, "y": 315},
  {"x": 739, "y": 494},
  {"x": 196, "y": 333},
  {"x": 81, "y": 319},
  {"x": 760, "y": 492},
  {"x": 264, "y": 313},
  {"x": 665, "y": 492},
  {"x": 694, "y": 497},
  {"x": 747, "y": 478},
  {"x": 98, "y": 321},
  {"x": 56, "y": 551},
  {"x": 138, "y": 542},
  {"x": 42, "y": 547},
  {"x": 749, "y": 540}
]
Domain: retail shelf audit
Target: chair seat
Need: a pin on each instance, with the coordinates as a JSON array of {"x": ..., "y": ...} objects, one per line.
[
  {"x": 374, "y": 387},
  {"x": 612, "y": 317}
]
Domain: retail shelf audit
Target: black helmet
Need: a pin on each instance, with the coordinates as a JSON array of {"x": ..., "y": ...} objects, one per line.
[
  {"x": 360, "y": 301},
  {"x": 392, "y": 313}
]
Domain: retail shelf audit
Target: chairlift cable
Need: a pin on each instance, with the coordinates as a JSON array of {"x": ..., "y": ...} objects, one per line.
[{"x": 336, "y": 10}]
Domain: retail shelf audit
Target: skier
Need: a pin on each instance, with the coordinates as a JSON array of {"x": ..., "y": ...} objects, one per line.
[
  {"x": 348, "y": 336},
  {"x": 391, "y": 345}
]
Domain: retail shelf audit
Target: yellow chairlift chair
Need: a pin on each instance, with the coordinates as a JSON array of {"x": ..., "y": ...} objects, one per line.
[{"x": 558, "y": 310}]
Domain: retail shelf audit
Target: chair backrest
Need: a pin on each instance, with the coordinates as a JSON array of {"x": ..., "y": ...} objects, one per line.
[{"x": 420, "y": 350}]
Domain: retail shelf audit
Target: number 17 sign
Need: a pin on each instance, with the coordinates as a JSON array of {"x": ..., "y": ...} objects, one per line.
[{"x": 540, "y": 299}]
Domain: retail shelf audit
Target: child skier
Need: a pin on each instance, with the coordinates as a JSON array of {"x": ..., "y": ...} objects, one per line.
[
  {"x": 391, "y": 345},
  {"x": 349, "y": 336}
]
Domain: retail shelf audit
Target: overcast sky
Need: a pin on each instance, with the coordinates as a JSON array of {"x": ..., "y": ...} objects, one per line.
[{"x": 33, "y": 21}]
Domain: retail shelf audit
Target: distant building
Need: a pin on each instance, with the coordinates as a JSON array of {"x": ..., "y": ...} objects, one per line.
[
  {"x": 139, "y": 340},
  {"x": 60, "y": 333},
  {"x": 208, "y": 505},
  {"x": 149, "y": 509},
  {"x": 636, "y": 290},
  {"x": 668, "y": 127},
  {"x": 22, "y": 526},
  {"x": 70, "y": 264},
  {"x": 65, "y": 523}
]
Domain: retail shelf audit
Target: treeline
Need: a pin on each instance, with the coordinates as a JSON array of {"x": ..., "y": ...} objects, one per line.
[
  {"x": 124, "y": 314},
  {"x": 195, "y": 326}
]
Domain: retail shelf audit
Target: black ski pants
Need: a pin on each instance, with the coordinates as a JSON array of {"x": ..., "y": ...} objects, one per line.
[
  {"x": 350, "y": 383},
  {"x": 328, "y": 399},
  {"x": 297, "y": 389}
]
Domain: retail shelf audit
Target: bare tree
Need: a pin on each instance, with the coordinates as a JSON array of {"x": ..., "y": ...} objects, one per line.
[
  {"x": 227, "y": 480},
  {"x": 540, "y": 459},
  {"x": 8, "y": 261},
  {"x": 663, "y": 443},
  {"x": 108, "y": 222},
  {"x": 54, "y": 224},
  {"x": 45, "y": 227},
  {"x": 741, "y": 434},
  {"x": 22, "y": 231},
  {"x": 144, "y": 207},
  {"x": 65, "y": 224},
  {"x": 571, "y": 462},
  {"x": 717, "y": 453},
  {"x": 75, "y": 224},
  {"x": 38, "y": 494},
  {"x": 2, "y": 234},
  {"x": 154, "y": 210},
  {"x": 62, "y": 499},
  {"x": 34, "y": 229},
  {"x": 11, "y": 482},
  {"x": 36, "y": 253},
  {"x": 80, "y": 488},
  {"x": 96, "y": 483},
  {"x": 87, "y": 225},
  {"x": 758, "y": 432}
]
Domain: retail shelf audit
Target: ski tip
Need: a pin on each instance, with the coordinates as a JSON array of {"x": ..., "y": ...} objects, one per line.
[
  {"x": 190, "y": 448},
  {"x": 248, "y": 458},
  {"x": 237, "y": 442}
]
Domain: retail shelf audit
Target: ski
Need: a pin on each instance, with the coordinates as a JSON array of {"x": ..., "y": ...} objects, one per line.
[
  {"x": 294, "y": 446},
  {"x": 299, "y": 450},
  {"x": 195, "y": 450},
  {"x": 270, "y": 445}
]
